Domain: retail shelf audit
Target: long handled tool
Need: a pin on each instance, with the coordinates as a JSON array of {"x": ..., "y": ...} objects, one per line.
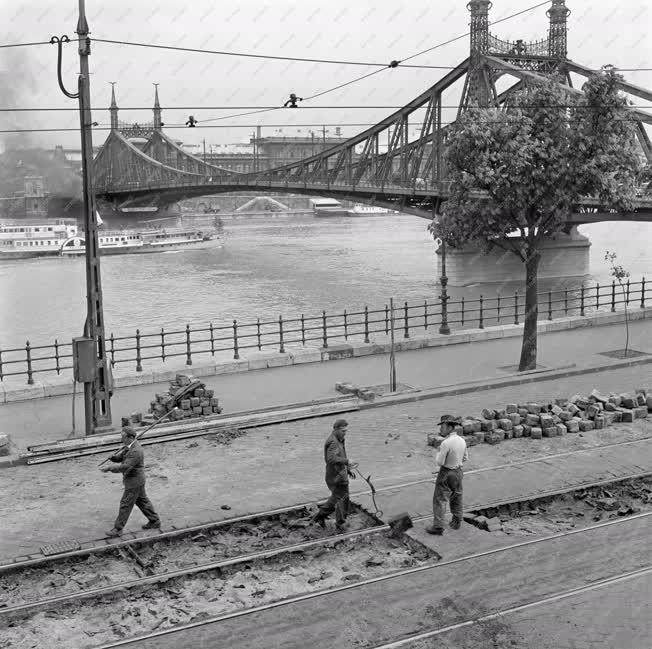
[
  {"x": 353, "y": 466},
  {"x": 125, "y": 447}
]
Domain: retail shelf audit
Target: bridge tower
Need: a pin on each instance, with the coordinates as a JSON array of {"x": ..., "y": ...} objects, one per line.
[
  {"x": 113, "y": 110},
  {"x": 477, "y": 90},
  {"x": 558, "y": 31}
]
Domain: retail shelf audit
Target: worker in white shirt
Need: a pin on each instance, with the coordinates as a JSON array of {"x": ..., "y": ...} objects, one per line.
[{"x": 448, "y": 487}]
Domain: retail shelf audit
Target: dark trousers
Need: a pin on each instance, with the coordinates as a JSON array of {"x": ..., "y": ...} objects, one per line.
[
  {"x": 448, "y": 489},
  {"x": 338, "y": 503},
  {"x": 135, "y": 496}
]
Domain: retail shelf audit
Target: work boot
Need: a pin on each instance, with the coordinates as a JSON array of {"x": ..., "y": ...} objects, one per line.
[
  {"x": 455, "y": 523},
  {"x": 113, "y": 532},
  {"x": 152, "y": 525},
  {"x": 437, "y": 531}
]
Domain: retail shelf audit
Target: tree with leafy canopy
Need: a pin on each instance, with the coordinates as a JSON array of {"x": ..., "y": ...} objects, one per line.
[{"x": 522, "y": 170}]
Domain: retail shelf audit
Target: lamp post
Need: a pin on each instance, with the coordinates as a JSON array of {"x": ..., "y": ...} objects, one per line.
[{"x": 443, "y": 280}]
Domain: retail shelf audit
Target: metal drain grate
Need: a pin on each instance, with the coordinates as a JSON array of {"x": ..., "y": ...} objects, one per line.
[
  {"x": 620, "y": 353},
  {"x": 60, "y": 547}
]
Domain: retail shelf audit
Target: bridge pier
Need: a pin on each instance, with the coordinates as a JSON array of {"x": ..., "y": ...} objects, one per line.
[{"x": 563, "y": 255}]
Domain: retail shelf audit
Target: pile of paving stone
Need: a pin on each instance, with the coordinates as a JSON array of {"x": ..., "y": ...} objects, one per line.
[
  {"x": 537, "y": 420},
  {"x": 197, "y": 402}
]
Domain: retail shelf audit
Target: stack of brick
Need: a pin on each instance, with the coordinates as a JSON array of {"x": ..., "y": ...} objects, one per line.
[
  {"x": 201, "y": 402},
  {"x": 537, "y": 420}
]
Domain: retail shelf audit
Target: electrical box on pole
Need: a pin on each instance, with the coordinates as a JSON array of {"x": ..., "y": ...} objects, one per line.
[{"x": 84, "y": 364}]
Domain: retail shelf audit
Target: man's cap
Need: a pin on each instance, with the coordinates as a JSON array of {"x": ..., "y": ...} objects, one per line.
[
  {"x": 340, "y": 423},
  {"x": 449, "y": 419},
  {"x": 128, "y": 430}
]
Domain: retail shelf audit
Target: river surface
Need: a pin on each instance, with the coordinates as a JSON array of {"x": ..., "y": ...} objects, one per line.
[{"x": 266, "y": 267}]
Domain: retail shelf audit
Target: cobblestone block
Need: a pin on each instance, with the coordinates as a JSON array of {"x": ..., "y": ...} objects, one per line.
[
  {"x": 527, "y": 430},
  {"x": 598, "y": 397},
  {"x": 608, "y": 418},
  {"x": 509, "y": 433},
  {"x": 467, "y": 427},
  {"x": 626, "y": 415},
  {"x": 206, "y": 410},
  {"x": 536, "y": 432},
  {"x": 572, "y": 426},
  {"x": 533, "y": 408},
  {"x": 505, "y": 424},
  {"x": 494, "y": 524},
  {"x": 627, "y": 401},
  {"x": 194, "y": 401},
  {"x": 488, "y": 425},
  {"x": 494, "y": 436},
  {"x": 648, "y": 402},
  {"x": 511, "y": 408},
  {"x": 209, "y": 394},
  {"x": 517, "y": 431},
  {"x": 618, "y": 416},
  {"x": 199, "y": 392},
  {"x": 615, "y": 399},
  {"x": 470, "y": 440},
  {"x": 204, "y": 402},
  {"x": 550, "y": 431},
  {"x": 479, "y": 437},
  {"x": 532, "y": 420},
  {"x": 547, "y": 421},
  {"x": 197, "y": 410},
  {"x": 586, "y": 425},
  {"x": 523, "y": 412},
  {"x": 573, "y": 409},
  {"x": 214, "y": 401},
  {"x": 592, "y": 411},
  {"x": 556, "y": 410},
  {"x": 609, "y": 407},
  {"x": 487, "y": 413},
  {"x": 564, "y": 415},
  {"x": 514, "y": 417},
  {"x": 562, "y": 403},
  {"x": 599, "y": 422},
  {"x": 640, "y": 412},
  {"x": 561, "y": 429}
]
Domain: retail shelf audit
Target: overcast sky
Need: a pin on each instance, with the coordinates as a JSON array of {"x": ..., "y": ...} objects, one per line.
[{"x": 600, "y": 32}]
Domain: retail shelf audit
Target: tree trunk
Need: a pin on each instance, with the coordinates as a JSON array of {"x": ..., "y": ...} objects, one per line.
[{"x": 529, "y": 346}]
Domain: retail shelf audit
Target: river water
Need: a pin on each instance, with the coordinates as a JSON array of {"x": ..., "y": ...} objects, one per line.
[{"x": 266, "y": 267}]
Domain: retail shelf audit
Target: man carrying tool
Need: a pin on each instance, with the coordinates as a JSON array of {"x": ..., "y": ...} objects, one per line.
[
  {"x": 448, "y": 487},
  {"x": 338, "y": 472},
  {"x": 130, "y": 462}
]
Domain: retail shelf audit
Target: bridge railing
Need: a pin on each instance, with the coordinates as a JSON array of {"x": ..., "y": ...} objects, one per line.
[{"x": 235, "y": 339}]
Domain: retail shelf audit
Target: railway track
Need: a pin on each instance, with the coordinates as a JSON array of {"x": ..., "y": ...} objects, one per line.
[
  {"x": 249, "y": 625},
  {"x": 367, "y": 541}
]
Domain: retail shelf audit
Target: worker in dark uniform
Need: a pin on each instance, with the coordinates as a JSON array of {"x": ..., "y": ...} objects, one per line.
[
  {"x": 130, "y": 463},
  {"x": 292, "y": 101},
  {"x": 338, "y": 473}
]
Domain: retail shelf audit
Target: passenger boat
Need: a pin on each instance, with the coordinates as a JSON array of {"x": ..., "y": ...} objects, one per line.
[
  {"x": 61, "y": 238},
  {"x": 324, "y": 207},
  {"x": 369, "y": 210}
]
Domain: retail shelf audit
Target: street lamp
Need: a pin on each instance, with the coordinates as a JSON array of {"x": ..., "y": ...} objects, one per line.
[{"x": 443, "y": 280}]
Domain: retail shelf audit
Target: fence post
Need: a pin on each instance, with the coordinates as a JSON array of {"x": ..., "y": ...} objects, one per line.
[
  {"x": 28, "y": 351},
  {"x": 0, "y": 365},
  {"x": 627, "y": 292},
  {"x": 236, "y": 354},
  {"x": 549, "y": 305},
  {"x": 498, "y": 309},
  {"x": 210, "y": 328},
  {"x": 516, "y": 307},
  {"x": 163, "y": 343},
  {"x": 582, "y": 300},
  {"x": 366, "y": 324},
  {"x": 188, "y": 352},
  {"x": 462, "y": 323},
  {"x": 303, "y": 331},
  {"x": 258, "y": 333},
  {"x": 139, "y": 367},
  {"x": 597, "y": 296},
  {"x": 346, "y": 327},
  {"x": 643, "y": 293},
  {"x": 386, "y": 320},
  {"x": 112, "y": 350},
  {"x": 56, "y": 355},
  {"x": 613, "y": 295},
  {"x": 481, "y": 323},
  {"x": 406, "y": 322},
  {"x": 425, "y": 315},
  {"x": 565, "y": 301},
  {"x": 280, "y": 333},
  {"x": 325, "y": 333}
]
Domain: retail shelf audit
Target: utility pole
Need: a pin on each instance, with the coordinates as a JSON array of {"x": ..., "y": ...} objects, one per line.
[{"x": 97, "y": 398}]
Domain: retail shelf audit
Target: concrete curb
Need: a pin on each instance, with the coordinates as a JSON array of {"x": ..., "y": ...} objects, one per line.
[{"x": 301, "y": 355}]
